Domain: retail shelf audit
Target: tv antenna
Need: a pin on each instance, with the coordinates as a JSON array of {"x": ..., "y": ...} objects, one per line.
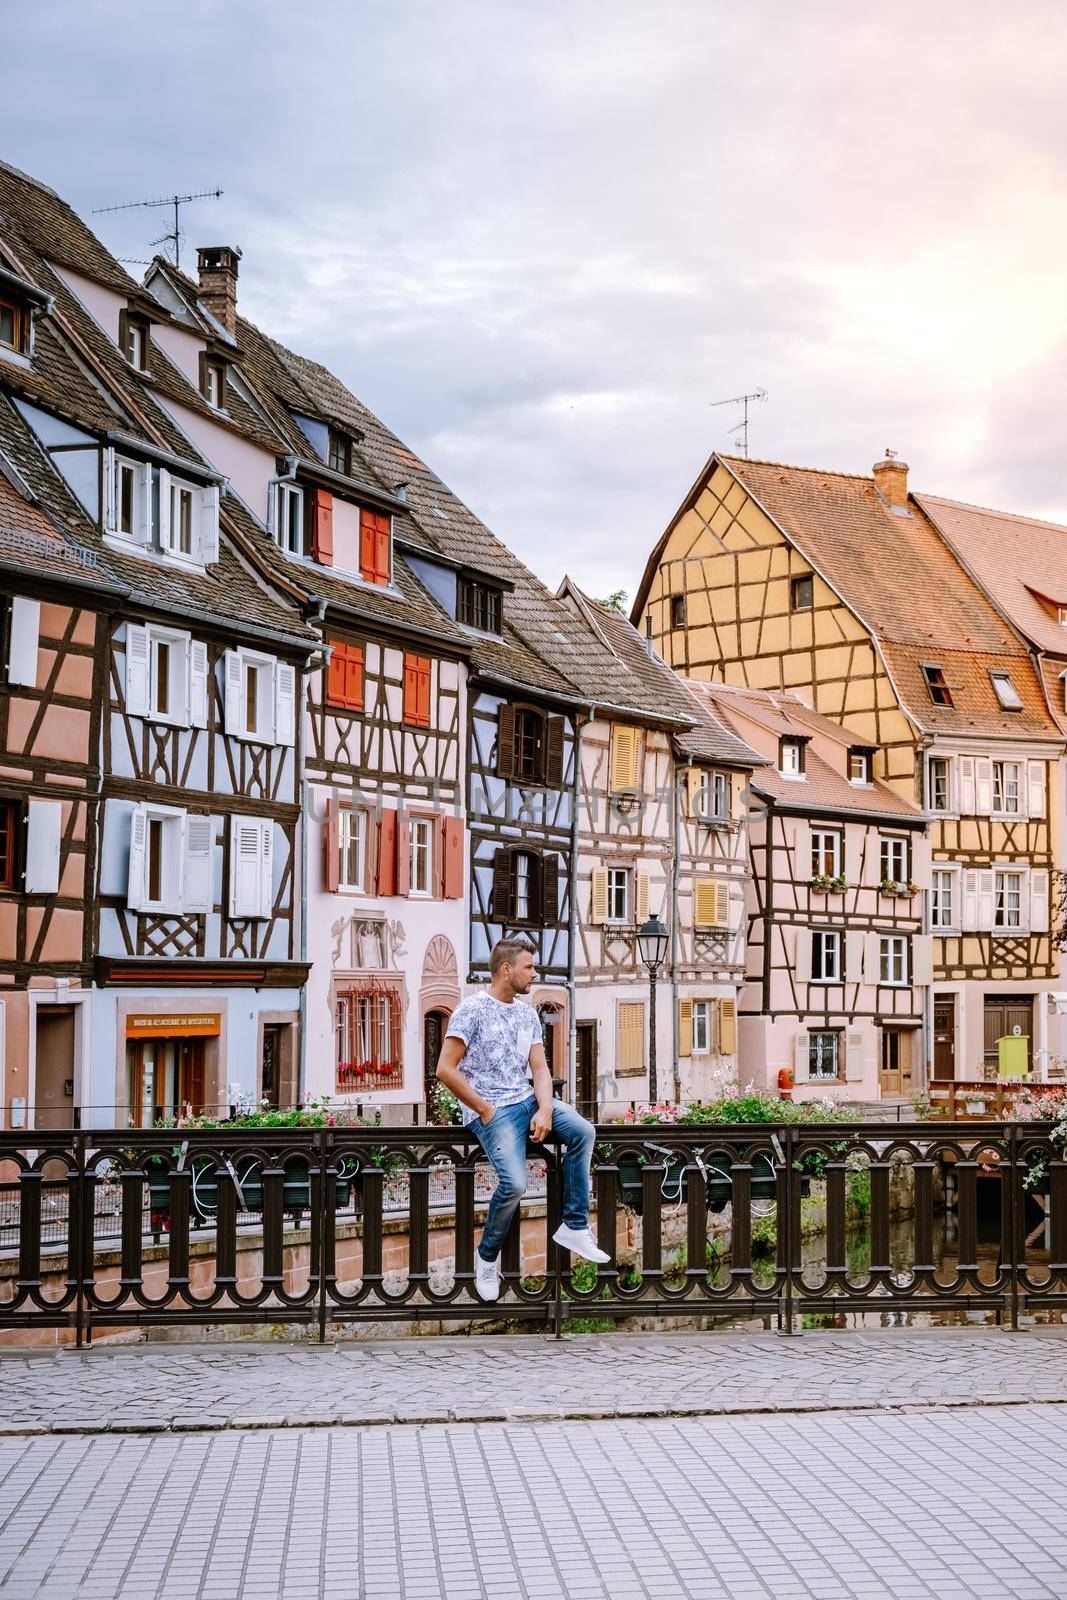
[
  {"x": 174, "y": 236},
  {"x": 741, "y": 428}
]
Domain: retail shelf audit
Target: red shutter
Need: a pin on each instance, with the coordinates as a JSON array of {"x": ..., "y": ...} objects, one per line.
[
  {"x": 424, "y": 693},
  {"x": 344, "y": 685},
  {"x": 453, "y": 854},
  {"x": 373, "y": 547},
  {"x": 387, "y": 853},
  {"x": 331, "y": 843},
  {"x": 322, "y": 522},
  {"x": 383, "y": 550},
  {"x": 403, "y": 853},
  {"x": 417, "y": 690}
]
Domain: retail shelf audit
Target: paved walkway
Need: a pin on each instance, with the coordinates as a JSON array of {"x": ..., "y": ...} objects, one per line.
[{"x": 198, "y": 1387}]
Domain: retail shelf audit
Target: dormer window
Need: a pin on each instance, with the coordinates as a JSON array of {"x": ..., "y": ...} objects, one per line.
[
  {"x": 859, "y": 766},
  {"x": 374, "y": 542},
  {"x": 478, "y": 605},
  {"x": 791, "y": 757},
  {"x": 940, "y": 693},
  {"x": 175, "y": 516},
  {"x": 213, "y": 382},
  {"x": 133, "y": 339},
  {"x": 340, "y": 453},
  {"x": 1005, "y": 691},
  {"x": 289, "y": 518},
  {"x": 14, "y": 325},
  {"x": 1061, "y": 616}
]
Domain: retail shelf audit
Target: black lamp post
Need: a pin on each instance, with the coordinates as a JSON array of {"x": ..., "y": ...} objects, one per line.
[{"x": 652, "y": 945}]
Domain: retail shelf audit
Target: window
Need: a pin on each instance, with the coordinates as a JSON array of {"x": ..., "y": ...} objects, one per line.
[
  {"x": 125, "y": 497},
  {"x": 677, "y": 610},
  {"x": 213, "y": 382},
  {"x": 941, "y": 907},
  {"x": 479, "y": 606},
  {"x": 176, "y": 532},
  {"x": 13, "y": 321},
  {"x": 1005, "y": 691},
  {"x": 172, "y": 856},
  {"x": 825, "y": 956},
  {"x": 344, "y": 681},
  {"x": 618, "y": 894},
  {"x": 525, "y": 886},
  {"x": 290, "y": 518},
  {"x": 711, "y": 795},
  {"x": 701, "y": 1027},
  {"x": 369, "y": 1038},
  {"x": 127, "y": 487},
  {"x": 824, "y": 1055},
  {"x": 791, "y": 758},
  {"x": 530, "y": 747},
  {"x": 374, "y": 546},
  {"x": 894, "y": 860},
  {"x": 827, "y": 849},
  {"x": 133, "y": 339},
  {"x": 1061, "y": 616},
  {"x": 9, "y": 820},
  {"x": 1007, "y": 904},
  {"x": 340, "y": 453},
  {"x": 802, "y": 593},
  {"x": 417, "y": 690},
  {"x": 351, "y": 839},
  {"x": 420, "y": 871},
  {"x": 529, "y": 744},
  {"x": 260, "y": 700},
  {"x": 859, "y": 766},
  {"x": 522, "y": 879},
  {"x": 940, "y": 693},
  {"x": 893, "y": 959},
  {"x": 166, "y": 676},
  {"x": 1006, "y": 788},
  {"x": 939, "y": 781}
]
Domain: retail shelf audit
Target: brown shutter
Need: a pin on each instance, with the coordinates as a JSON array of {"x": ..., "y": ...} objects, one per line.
[
  {"x": 453, "y": 858},
  {"x": 505, "y": 743},
  {"x": 387, "y": 852},
  {"x": 554, "y": 750},
  {"x": 502, "y": 885},
  {"x": 548, "y": 907},
  {"x": 331, "y": 841}
]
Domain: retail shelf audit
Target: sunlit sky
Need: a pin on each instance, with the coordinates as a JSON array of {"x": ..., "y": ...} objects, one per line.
[{"x": 540, "y": 241}]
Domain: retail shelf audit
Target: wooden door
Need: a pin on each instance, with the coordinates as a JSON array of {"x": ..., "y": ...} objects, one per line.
[
  {"x": 585, "y": 1071},
  {"x": 54, "y": 1089},
  {"x": 190, "y": 1076},
  {"x": 894, "y": 1078},
  {"x": 1002, "y": 1015},
  {"x": 272, "y": 1064},
  {"x": 433, "y": 1037},
  {"x": 945, "y": 1037}
]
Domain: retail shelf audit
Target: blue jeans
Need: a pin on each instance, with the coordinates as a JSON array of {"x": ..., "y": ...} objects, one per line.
[{"x": 503, "y": 1138}]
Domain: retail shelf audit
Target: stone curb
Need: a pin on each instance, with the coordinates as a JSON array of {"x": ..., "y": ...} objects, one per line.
[{"x": 428, "y": 1416}]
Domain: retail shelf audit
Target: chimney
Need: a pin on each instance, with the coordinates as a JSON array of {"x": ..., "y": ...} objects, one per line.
[
  {"x": 218, "y": 282},
  {"x": 891, "y": 482}
]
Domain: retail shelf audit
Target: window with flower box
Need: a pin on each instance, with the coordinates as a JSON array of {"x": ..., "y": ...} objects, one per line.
[{"x": 369, "y": 1038}]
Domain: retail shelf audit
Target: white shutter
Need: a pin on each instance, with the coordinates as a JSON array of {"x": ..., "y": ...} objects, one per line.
[
  {"x": 137, "y": 660},
  {"x": 872, "y": 957},
  {"x": 251, "y": 867},
  {"x": 266, "y": 868},
  {"x": 232, "y": 668},
  {"x": 853, "y": 1057},
  {"x": 164, "y": 508},
  {"x": 44, "y": 821},
  {"x": 802, "y": 964},
  {"x": 107, "y": 509},
  {"x": 969, "y": 923},
  {"x": 22, "y": 646},
  {"x": 966, "y": 786},
  {"x": 922, "y": 959},
  {"x": 802, "y": 851},
  {"x": 985, "y": 901},
  {"x": 800, "y": 1058},
  {"x": 284, "y": 703},
  {"x": 1035, "y": 788},
  {"x": 983, "y": 785},
  {"x": 1039, "y": 902},
  {"x": 135, "y": 889},
  {"x": 853, "y": 862},
  {"x": 199, "y": 863},
  {"x": 272, "y": 509},
  {"x": 142, "y": 505},
  {"x": 209, "y": 524},
  {"x": 198, "y": 666},
  {"x": 853, "y": 955}
]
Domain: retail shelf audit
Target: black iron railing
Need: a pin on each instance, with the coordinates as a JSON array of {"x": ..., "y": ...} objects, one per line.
[{"x": 122, "y": 1228}]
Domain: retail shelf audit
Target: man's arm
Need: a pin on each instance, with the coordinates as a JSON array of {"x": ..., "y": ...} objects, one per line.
[
  {"x": 452, "y": 1053},
  {"x": 541, "y": 1125}
]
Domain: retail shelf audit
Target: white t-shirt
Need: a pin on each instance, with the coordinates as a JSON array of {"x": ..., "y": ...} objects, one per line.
[{"x": 499, "y": 1038}]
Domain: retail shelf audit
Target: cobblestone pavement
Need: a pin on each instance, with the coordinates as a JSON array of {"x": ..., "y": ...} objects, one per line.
[
  {"x": 185, "y": 1387},
  {"x": 928, "y": 1505}
]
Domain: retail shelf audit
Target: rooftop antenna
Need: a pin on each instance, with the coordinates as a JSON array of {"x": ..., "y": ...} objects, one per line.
[
  {"x": 174, "y": 237},
  {"x": 741, "y": 428}
]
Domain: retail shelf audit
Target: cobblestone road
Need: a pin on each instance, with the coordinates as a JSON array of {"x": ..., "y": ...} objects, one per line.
[
  {"x": 489, "y": 1378},
  {"x": 944, "y": 1504}
]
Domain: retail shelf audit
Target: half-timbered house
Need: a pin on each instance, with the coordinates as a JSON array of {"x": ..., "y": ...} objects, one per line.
[
  {"x": 661, "y": 830},
  {"x": 194, "y": 673},
  {"x": 841, "y": 590},
  {"x": 839, "y": 959}
]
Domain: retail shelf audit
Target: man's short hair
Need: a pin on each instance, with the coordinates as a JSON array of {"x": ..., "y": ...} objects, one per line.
[{"x": 507, "y": 952}]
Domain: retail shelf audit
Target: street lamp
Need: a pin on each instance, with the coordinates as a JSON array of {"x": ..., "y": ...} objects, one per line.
[{"x": 652, "y": 946}]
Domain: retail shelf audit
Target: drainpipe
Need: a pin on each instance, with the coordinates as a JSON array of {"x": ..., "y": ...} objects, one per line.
[
  {"x": 768, "y": 900},
  {"x": 580, "y": 722},
  {"x": 676, "y": 828},
  {"x": 315, "y": 612}
]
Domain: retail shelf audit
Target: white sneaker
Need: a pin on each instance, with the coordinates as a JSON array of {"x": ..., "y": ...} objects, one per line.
[
  {"x": 486, "y": 1277},
  {"x": 580, "y": 1242}
]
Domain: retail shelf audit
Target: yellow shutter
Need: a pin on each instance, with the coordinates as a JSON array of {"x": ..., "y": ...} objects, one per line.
[
  {"x": 712, "y": 903},
  {"x": 641, "y": 904},
  {"x": 631, "y": 1036},
  {"x": 685, "y": 1027},
  {"x": 727, "y": 1027},
  {"x": 738, "y": 785},
  {"x": 599, "y": 904},
  {"x": 722, "y": 905},
  {"x": 624, "y": 749},
  {"x": 694, "y": 783}
]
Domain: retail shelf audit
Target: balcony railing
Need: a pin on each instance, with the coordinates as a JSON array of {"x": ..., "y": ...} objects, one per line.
[{"x": 124, "y": 1229}]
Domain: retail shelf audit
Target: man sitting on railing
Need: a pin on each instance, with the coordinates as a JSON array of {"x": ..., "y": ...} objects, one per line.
[{"x": 493, "y": 1041}]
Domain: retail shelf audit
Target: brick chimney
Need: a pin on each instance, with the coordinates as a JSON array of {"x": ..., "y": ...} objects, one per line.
[
  {"x": 891, "y": 481},
  {"x": 218, "y": 282}
]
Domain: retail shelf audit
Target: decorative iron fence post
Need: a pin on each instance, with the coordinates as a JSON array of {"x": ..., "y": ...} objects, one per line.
[
  {"x": 786, "y": 1223},
  {"x": 1014, "y": 1230}
]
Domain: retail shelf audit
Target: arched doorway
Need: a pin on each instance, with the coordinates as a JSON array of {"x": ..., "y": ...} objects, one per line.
[
  {"x": 438, "y": 998},
  {"x": 434, "y": 1024}
]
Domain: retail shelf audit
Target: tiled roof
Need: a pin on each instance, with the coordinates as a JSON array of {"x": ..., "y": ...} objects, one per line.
[{"x": 48, "y": 223}]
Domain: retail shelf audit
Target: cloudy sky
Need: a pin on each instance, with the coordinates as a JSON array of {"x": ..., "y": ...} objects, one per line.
[{"x": 541, "y": 240}]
